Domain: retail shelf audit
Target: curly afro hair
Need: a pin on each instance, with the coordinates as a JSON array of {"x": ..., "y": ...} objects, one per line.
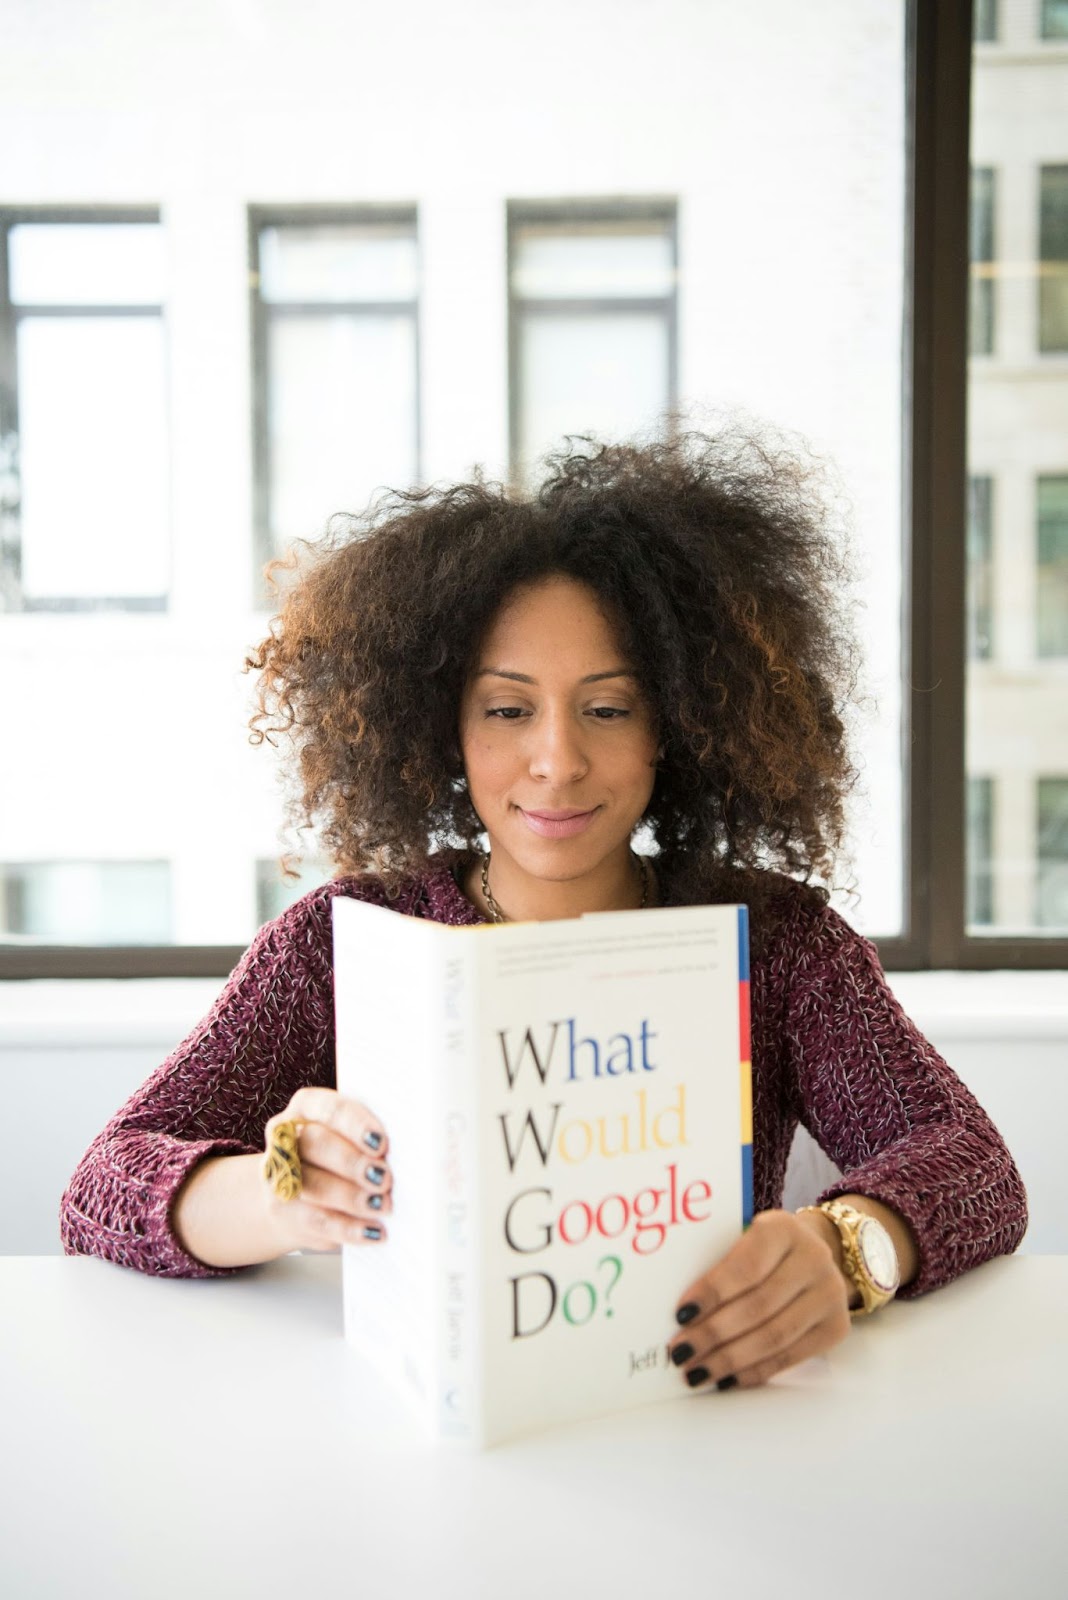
[{"x": 716, "y": 560}]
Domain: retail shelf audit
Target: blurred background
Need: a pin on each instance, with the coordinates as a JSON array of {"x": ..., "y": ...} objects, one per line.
[{"x": 258, "y": 258}]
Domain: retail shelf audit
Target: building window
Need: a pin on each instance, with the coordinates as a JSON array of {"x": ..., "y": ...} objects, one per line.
[
  {"x": 1052, "y": 586},
  {"x": 1053, "y": 259},
  {"x": 87, "y": 902},
  {"x": 336, "y": 379},
  {"x": 981, "y": 278},
  {"x": 84, "y": 499},
  {"x": 1054, "y": 23},
  {"x": 1052, "y": 899},
  {"x": 985, "y": 21},
  {"x": 275, "y": 892},
  {"x": 592, "y": 334},
  {"x": 979, "y": 887},
  {"x": 980, "y": 555}
]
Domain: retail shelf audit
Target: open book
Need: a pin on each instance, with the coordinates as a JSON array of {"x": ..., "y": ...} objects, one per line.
[{"x": 569, "y": 1113}]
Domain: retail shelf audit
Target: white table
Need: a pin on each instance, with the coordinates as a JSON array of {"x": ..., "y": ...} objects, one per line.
[{"x": 163, "y": 1438}]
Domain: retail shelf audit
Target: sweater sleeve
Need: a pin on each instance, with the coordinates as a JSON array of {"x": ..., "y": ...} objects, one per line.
[
  {"x": 269, "y": 1032},
  {"x": 885, "y": 1107}
]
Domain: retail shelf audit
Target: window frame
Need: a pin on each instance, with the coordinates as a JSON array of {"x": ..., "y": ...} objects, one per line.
[
  {"x": 260, "y": 313},
  {"x": 934, "y": 474},
  {"x": 12, "y": 598}
]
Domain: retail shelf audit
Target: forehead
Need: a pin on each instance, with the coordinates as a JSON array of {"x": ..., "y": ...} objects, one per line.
[{"x": 554, "y": 614}]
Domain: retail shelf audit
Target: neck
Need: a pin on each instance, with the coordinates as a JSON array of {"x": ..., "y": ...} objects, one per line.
[{"x": 619, "y": 884}]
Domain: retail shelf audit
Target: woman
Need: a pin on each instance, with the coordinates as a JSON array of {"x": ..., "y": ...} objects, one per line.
[{"x": 653, "y": 641}]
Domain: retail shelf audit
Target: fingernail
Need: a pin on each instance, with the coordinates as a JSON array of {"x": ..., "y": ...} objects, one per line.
[
  {"x": 375, "y": 1202},
  {"x": 698, "y": 1375},
  {"x": 375, "y": 1174},
  {"x": 687, "y": 1312},
  {"x": 681, "y": 1353},
  {"x": 372, "y": 1233},
  {"x": 726, "y": 1383},
  {"x": 373, "y": 1141}
]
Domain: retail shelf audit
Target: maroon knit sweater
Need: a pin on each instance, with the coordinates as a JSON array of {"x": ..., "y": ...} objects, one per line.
[{"x": 830, "y": 1046}]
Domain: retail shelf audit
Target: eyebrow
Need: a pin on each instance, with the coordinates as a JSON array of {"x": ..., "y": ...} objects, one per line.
[{"x": 521, "y": 677}]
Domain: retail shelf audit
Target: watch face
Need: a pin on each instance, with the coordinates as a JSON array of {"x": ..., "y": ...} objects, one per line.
[{"x": 878, "y": 1253}]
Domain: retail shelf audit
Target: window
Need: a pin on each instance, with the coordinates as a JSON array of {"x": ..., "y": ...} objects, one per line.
[
  {"x": 275, "y": 892},
  {"x": 985, "y": 21},
  {"x": 84, "y": 496},
  {"x": 87, "y": 902},
  {"x": 592, "y": 296},
  {"x": 1052, "y": 906},
  {"x": 1054, "y": 19},
  {"x": 980, "y": 570},
  {"x": 334, "y": 305},
  {"x": 981, "y": 301},
  {"x": 1053, "y": 259},
  {"x": 979, "y": 910},
  {"x": 1052, "y": 585}
]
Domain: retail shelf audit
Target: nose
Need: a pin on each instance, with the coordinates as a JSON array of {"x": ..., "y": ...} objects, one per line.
[{"x": 557, "y": 753}]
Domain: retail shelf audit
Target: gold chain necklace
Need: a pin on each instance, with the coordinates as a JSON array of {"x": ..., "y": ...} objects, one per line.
[{"x": 640, "y": 864}]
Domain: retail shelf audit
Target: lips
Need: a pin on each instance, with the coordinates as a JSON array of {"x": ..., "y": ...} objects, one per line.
[{"x": 558, "y": 824}]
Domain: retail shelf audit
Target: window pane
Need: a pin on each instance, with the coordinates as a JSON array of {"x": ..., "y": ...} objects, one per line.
[
  {"x": 1053, "y": 254},
  {"x": 87, "y": 902},
  {"x": 606, "y": 373},
  {"x": 598, "y": 261},
  {"x": 342, "y": 409},
  {"x": 276, "y": 893},
  {"x": 334, "y": 264},
  {"x": 1053, "y": 566},
  {"x": 1017, "y": 578},
  {"x": 985, "y": 20},
  {"x": 979, "y": 910},
  {"x": 1055, "y": 19},
  {"x": 93, "y": 457},
  {"x": 86, "y": 264},
  {"x": 981, "y": 300},
  {"x": 1053, "y": 854},
  {"x": 980, "y": 569}
]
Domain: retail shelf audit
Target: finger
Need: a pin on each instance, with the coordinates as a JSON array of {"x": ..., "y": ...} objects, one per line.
[
  {"x": 819, "y": 1339},
  {"x": 755, "y": 1346},
  {"x": 350, "y": 1118},
  {"x": 327, "y": 1191},
  {"x": 742, "y": 1315},
  {"x": 748, "y": 1262},
  {"x": 322, "y": 1147},
  {"x": 320, "y": 1229}
]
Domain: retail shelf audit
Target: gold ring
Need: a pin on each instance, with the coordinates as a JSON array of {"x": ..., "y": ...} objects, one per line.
[{"x": 281, "y": 1166}]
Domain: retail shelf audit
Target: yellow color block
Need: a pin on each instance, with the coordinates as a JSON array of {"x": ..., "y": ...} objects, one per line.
[{"x": 747, "y": 1102}]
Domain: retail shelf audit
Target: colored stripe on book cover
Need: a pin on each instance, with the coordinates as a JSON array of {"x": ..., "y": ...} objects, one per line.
[{"x": 745, "y": 1070}]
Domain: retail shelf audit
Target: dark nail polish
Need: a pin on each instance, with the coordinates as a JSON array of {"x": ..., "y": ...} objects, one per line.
[
  {"x": 726, "y": 1383},
  {"x": 372, "y": 1233},
  {"x": 375, "y": 1202},
  {"x": 373, "y": 1141},
  {"x": 375, "y": 1174},
  {"x": 681, "y": 1353},
  {"x": 687, "y": 1313},
  {"x": 698, "y": 1375}
]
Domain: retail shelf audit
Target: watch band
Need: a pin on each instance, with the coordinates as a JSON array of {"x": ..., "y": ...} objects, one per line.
[{"x": 874, "y": 1291}]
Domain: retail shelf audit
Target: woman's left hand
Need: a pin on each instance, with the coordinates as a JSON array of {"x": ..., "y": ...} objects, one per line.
[{"x": 776, "y": 1298}]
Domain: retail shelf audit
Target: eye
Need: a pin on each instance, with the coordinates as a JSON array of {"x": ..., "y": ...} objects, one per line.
[
  {"x": 608, "y": 713},
  {"x": 506, "y": 713}
]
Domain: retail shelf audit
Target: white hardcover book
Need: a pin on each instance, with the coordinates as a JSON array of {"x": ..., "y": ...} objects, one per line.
[{"x": 569, "y": 1113}]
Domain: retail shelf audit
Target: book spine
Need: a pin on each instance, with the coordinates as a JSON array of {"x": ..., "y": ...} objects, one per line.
[
  {"x": 459, "y": 1234},
  {"x": 745, "y": 1066}
]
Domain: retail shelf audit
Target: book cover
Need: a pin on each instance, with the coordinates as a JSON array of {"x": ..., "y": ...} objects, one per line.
[{"x": 569, "y": 1112}]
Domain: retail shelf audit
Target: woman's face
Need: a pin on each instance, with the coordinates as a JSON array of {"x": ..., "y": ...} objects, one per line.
[{"x": 558, "y": 743}]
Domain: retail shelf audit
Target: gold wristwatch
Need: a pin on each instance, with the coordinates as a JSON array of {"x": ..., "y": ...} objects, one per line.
[{"x": 869, "y": 1258}]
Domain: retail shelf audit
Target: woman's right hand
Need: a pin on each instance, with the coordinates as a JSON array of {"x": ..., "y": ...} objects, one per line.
[{"x": 347, "y": 1181}]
